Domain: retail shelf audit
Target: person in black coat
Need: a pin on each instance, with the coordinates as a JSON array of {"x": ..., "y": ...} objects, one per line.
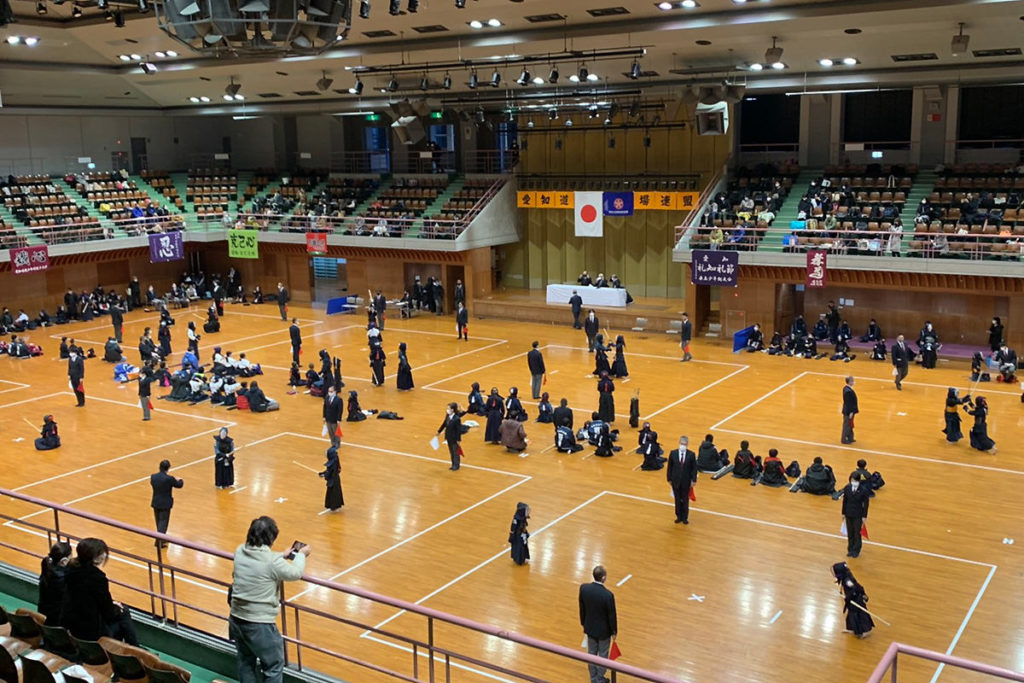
[
  {"x": 494, "y": 407},
  {"x": 334, "y": 498},
  {"x": 403, "y": 378},
  {"x": 378, "y": 359},
  {"x": 76, "y": 375},
  {"x": 461, "y": 321},
  {"x": 601, "y": 365},
  {"x": 850, "y": 409},
  {"x": 995, "y": 334},
  {"x": 979, "y": 432},
  {"x": 48, "y": 437},
  {"x": 438, "y": 291},
  {"x": 856, "y": 497},
  {"x": 296, "y": 337},
  {"x": 535, "y": 361},
  {"x": 475, "y": 401},
  {"x": 858, "y": 621},
  {"x": 163, "y": 485},
  {"x": 606, "y": 402},
  {"x": 117, "y": 320},
  {"x": 685, "y": 336},
  {"x": 591, "y": 326},
  {"x": 682, "y": 476},
  {"x": 333, "y": 406},
  {"x": 452, "y": 428},
  {"x": 951, "y": 415},
  {"x": 900, "y": 361},
  {"x": 928, "y": 345},
  {"x": 874, "y": 332},
  {"x": 164, "y": 337},
  {"x": 562, "y": 414},
  {"x": 598, "y": 619},
  {"x": 282, "y": 301},
  {"x": 518, "y": 535},
  {"x": 576, "y": 304},
  {"x": 819, "y": 479},
  {"x": 355, "y": 411},
  {"x": 647, "y": 440},
  {"x": 619, "y": 369},
  {"x": 146, "y": 379},
  {"x": 459, "y": 293},
  {"x": 88, "y": 612},
  {"x": 134, "y": 293},
  {"x": 545, "y": 413},
  {"x": 223, "y": 460},
  {"x": 514, "y": 407},
  {"x": 52, "y": 576}
]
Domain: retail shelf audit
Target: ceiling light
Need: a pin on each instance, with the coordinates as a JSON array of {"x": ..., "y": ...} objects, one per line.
[
  {"x": 232, "y": 89},
  {"x": 553, "y": 115},
  {"x": 324, "y": 83},
  {"x": 537, "y": 80},
  {"x": 364, "y": 9},
  {"x": 171, "y": 53},
  {"x": 524, "y": 77},
  {"x": 957, "y": 47},
  {"x": 634, "y": 71},
  {"x": 134, "y": 57},
  {"x": 460, "y": 4},
  {"x": 689, "y": 4},
  {"x": 13, "y": 40},
  {"x": 161, "y": 55},
  {"x": 148, "y": 68},
  {"x": 41, "y": 8},
  {"x": 568, "y": 123},
  {"x": 356, "y": 89},
  {"x": 850, "y": 61},
  {"x": 583, "y": 73},
  {"x": 574, "y": 78},
  {"x": 666, "y": 6},
  {"x": 119, "y": 19},
  {"x": 229, "y": 98},
  {"x": 395, "y": 7},
  {"x": 76, "y": 12},
  {"x": 473, "y": 80},
  {"x": 239, "y": 97},
  {"x": 495, "y": 79},
  {"x": 529, "y": 123},
  {"x": 194, "y": 100},
  {"x": 392, "y": 84},
  {"x": 553, "y": 75},
  {"x": 739, "y": 2},
  {"x": 493, "y": 23},
  {"x": 476, "y": 24},
  {"x": 592, "y": 77},
  {"x": 425, "y": 82},
  {"x": 755, "y": 66},
  {"x": 607, "y": 121},
  {"x": 204, "y": 98},
  {"x": 825, "y": 62},
  {"x": 413, "y": 6},
  {"x": 123, "y": 58},
  {"x": 31, "y": 41},
  {"x": 447, "y": 82},
  {"x": 773, "y": 55},
  {"x": 778, "y": 66}
]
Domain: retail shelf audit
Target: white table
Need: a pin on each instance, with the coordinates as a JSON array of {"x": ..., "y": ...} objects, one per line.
[{"x": 592, "y": 296}]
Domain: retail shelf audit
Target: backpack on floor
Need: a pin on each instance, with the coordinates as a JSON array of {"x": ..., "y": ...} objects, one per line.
[
  {"x": 793, "y": 470},
  {"x": 876, "y": 481}
]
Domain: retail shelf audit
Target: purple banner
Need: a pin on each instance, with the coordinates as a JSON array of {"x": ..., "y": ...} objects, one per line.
[
  {"x": 718, "y": 268},
  {"x": 166, "y": 246}
]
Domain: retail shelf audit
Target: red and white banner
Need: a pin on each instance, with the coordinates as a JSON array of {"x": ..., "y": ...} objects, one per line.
[
  {"x": 817, "y": 267},
  {"x": 30, "y": 259},
  {"x": 316, "y": 242},
  {"x": 589, "y": 207}
]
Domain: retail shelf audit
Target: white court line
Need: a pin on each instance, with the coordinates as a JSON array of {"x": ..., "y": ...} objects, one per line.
[
  {"x": 459, "y": 355},
  {"x": 236, "y": 490},
  {"x": 650, "y": 355},
  {"x": 19, "y": 386},
  {"x": 308, "y": 336},
  {"x": 261, "y": 315},
  {"x": 953, "y": 463},
  {"x": 699, "y": 391},
  {"x": 418, "y": 534},
  {"x": 253, "y": 336},
  {"x": 967, "y": 619},
  {"x": 37, "y": 398},
  {"x": 624, "y": 580},
  {"x": 756, "y": 401},
  {"x": 484, "y": 563},
  {"x": 944, "y": 387},
  {"x": 161, "y": 410},
  {"x": 443, "y": 334},
  {"x": 776, "y": 617},
  {"x": 520, "y": 355}
]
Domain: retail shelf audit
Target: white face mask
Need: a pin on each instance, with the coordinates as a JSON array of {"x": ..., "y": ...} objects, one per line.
[{"x": 854, "y": 485}]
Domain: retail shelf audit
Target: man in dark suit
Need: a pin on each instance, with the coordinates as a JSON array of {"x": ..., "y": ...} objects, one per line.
[
  {"x": 855, "y": 511},
  {"x": 535, "y": 359},
  {"x": 461, "y": 321},
  {"x": 900, "y": 361},
  {"x": 146, "y": 379},
  {"x": 163, "y": 497},
  {"x": 682, "y": 475},
  {"x": 296, "y": 337},
  {"x": 117, "y": 320},
  {"x": 452, "y": 428},
  {"x": 71, "y": 304},
  {"x": 849, "y": 410},
  {"x": 282, "y": 301},
  {"x": 591, "y": 326},
  {"x": 460, "y": 293},
  {"x": 333, "y": 407},
  {"x": 598, "y": 619},
  {"x": 76, "y": 375},
  {"x": 576, "y": 302},
  {"x": 380, "y": 305},
  {"x": 562, "y": 415},
  {"x": 685, "y": 335}
]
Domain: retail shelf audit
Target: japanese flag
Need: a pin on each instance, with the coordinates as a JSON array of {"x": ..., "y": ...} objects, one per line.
[{"x": 589, "y": 214}]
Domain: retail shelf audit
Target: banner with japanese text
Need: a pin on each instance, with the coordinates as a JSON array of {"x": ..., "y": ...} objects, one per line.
[
  {"x": 526, "y": 200},
  {"x": 30, "y": 259},
  {"x": 166, "y": 246},
  {"x": 243, "y": 244},
  {"x": 316, "y": 242},
  {"x": 817, "y": 267},
  {"x": 712, "y": 267},
  {"x": 618, "y": 203}
]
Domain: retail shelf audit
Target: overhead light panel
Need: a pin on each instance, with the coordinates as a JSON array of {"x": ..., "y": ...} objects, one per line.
[
  {"x": 364, "y": 9},
  {"x": 324, "y": 83},
  {"x": 123, "y": 58},
  {"x": 960, "y": 42},
  {"x": 850, "y": 61}
]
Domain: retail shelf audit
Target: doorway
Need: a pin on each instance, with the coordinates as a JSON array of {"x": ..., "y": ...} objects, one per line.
[
  {"x": 330, "y": 278},
  {"x": 139, "y": 160}
]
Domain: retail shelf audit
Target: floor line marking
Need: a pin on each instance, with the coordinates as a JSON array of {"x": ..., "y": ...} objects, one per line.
[
  {"x": 756, "y": 401},
  {"x": 482, "y": 367},
  {"x": 695, "y": 393},
  {"x": 35, "y": 398},
  {"x": 308, "y": 336},
  {"x": 236, "y": 490},
  {"x": 776, "y": 617},
  {"x": 624, "y": 580},
  {"x": 158, "y": 410},
  {"x": 651, "y": 355},
  {"x": 967, "y": 619},
  {"x": 916, "y": 384},
  {"x": 459, "y": 355},
  {"x": 442, "y": 334},
  {"x": 438, "y": 658}
]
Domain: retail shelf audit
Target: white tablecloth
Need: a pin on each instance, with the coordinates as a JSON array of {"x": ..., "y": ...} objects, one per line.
[{"x": 592, "y": 296}]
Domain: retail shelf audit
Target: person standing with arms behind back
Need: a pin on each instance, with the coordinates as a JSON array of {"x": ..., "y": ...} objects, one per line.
[
  {"x": 685, "y": 335},
  {"x": 900, "y": 361},
  {"x": 535, "y": 359},
  {"x": 590, "y": 326},
  {"x": 849, "y": 410},
  {"x": 295, "y": 334},
  {"x": 163, "y": 497},
  {"x": 452, "y": 428},
  {"x": 682, "y": 476},
  {"x": 576, "y": 302},
  {"x": 855, "y": 511},
  {"x": 598, "y": 619},
  {"x": 254, "y": 599},
  {"x": 461, "y": 321},
  {"x": 282, "y": 301},
  {"x": 76, "y": 375}
]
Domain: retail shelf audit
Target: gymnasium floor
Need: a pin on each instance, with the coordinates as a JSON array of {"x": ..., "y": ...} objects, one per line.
[{"x": 741, "y": 594}]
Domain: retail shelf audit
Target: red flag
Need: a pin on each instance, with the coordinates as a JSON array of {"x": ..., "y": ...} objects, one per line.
[
  {"x": 864, "y": 531},
  {"x": 80, "y": 387},
  {"x": 693, "y": 496},
  {"x": 149, "y": 404},
  {"x": 337, "y": 431},
  {"x": 614, "y": 652},
  {"x": 461, "y": 454},
  {"x": 545, "y": 380}
]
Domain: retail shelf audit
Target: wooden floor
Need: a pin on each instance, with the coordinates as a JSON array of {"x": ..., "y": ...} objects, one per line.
[{"x": 741, "y": 594}]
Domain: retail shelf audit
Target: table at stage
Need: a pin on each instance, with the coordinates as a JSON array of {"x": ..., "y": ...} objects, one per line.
[{"x": 592, "y": 296}]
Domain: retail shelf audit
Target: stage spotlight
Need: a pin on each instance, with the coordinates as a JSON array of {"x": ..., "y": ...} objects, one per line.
[
  {"x": 232, "y": 89},
  {"x": 773, "y": 55},
  {"x": 447, "y": 82},
  {"x": 356, "y": 89},
  {"x": 553, "y": 75},
  {"x": 425, "y": 82},
  {"x": 393, "y": 84},
  {"x": 495, "y": 79},
  {"x": 364, "y": 9},
  {"x": 634, "y": 71},
  {"x": 473, "y": 80},
  {"x": 148, "y": 68},
  {"x": 324, "y": 83},
  {"x": 524, "y": 77}
]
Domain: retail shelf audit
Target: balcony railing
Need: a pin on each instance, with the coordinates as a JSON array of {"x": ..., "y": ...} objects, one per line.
[{"x": 887, "y": 667}]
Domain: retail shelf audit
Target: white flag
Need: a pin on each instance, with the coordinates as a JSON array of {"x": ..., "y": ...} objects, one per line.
[{"x": 589, "y": 214}]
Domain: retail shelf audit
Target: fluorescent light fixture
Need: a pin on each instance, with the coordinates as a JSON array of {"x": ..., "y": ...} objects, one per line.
[
  {"x": 850, "y": 61},
  {"x": 493, "y": 23},
  {"x": 476, "y": 24},
  {"x": 825, "y": 62},
  {"x": 204, "y": 99},
  {"x": 537, "y": 80}
]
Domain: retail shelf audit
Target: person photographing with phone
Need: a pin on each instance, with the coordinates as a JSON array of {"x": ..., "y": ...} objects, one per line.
[{"x": 255, "y": 601}]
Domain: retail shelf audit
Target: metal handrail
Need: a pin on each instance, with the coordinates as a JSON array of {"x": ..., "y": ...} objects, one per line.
[
  {"x": 888, "y": 664},
  {"x": 166, "y": 595}
]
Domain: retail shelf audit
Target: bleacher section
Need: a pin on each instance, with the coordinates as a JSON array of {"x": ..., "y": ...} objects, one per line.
[
  {"x": 38, "y": 203},
  {"x": 211, "y": 192}
]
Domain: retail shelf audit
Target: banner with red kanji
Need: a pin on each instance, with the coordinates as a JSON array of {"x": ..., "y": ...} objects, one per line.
[
  {"x": 29, "y": 259},
  {"x": 316, "y": 242},
  {"x": 817, "y": 267}
]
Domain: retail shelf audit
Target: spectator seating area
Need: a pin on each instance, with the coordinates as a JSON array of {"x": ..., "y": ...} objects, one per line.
[
  {"x": 162, "y": 183},
  {"x": 462, "y": 201},
  {"x": 407, "y": 197},
  {"x": 9, "y": 237},
  {"x": 37, "y": 202},
  {"x": 113, "y": 195},
  {"x": 211, "y": 191},
  {"x": 259, "y": 182}
]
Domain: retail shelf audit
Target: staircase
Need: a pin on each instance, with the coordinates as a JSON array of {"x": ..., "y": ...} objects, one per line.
[
  {"x": 436, "y": 205},
  {"x": 787, "y": 212},
  {"x": 924, "y": 185},
  {"x": 19, "y": 228}
]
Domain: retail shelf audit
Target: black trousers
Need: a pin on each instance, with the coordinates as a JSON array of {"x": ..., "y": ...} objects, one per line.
[
  {"x": 453, "y": 452},
  {"x": 682, "y": 497},
  {"x": 853, "y": 539},
  {"x": 162, "y": 517},
  {"x": 80, "y": 395},
  {"x": 295, "y": 353},
  {"x": 576, "y": 319},
  {"x": 283, "y": 308},
  {"x": 847, "y": 436},
  {"x": 901, "y": 374}
]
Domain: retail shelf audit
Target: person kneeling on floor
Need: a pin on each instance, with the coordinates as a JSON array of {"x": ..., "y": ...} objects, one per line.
[
  {"x": 565, "y": 441},
  {"x": 48, "y": 437},
  {"x": 258, "y": 401}
]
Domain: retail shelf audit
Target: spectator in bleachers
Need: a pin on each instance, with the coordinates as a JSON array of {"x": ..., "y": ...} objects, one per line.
[
  {"x": 88, "y": 612},
  {"x": 716, "y": 238},
  {"x": 895, "y": 237}
]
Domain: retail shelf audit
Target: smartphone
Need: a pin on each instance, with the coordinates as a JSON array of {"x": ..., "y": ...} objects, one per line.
[{"x": 296, "y": 545}]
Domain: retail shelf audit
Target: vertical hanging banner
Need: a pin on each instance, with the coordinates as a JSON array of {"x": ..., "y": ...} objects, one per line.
[
  {"x": 166, "y": 246},
  {"x": 29, "y": 259},
  {"x": 316, "y": 242},
  {"x": 589, "y": 214},
  {"x": 618, "y": 203},
  {"x": 243, "y": 244},
  {"x": 718, "y": 268},
  {"x": 817, "y": 267}
]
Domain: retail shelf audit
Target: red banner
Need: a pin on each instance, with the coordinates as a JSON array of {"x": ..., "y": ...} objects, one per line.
[
  {"x": 316, "y": 242},
  {"x": 29, "y": 259},
  {"x": 817, "y": 267}
]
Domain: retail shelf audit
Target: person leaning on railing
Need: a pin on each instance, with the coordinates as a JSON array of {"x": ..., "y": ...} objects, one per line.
[{"x": 254, "y": 597}]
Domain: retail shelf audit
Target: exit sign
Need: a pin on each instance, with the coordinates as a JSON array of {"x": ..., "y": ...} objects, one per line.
[
  {"x": 373, "y": 117},
  {"x": 436, "y": 115}
]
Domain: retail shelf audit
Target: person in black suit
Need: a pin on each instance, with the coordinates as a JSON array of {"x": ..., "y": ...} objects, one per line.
[
  {"x": 76, "y": 375},
  {"x": 856, "y": 496},
  {"x": 146, "y": 379},
  {"x": 117, "y": 320},
  {"x": 598, "y": 619},
  {"x": 282, "y": 301},
  {"x": 682, "y": 475},
  {"x": 452, "y": 428},
  {"x": 163, "y": 497},
  {"x": 296, "y": 337},
  {"x": 460, "y": 293},
  {"x": 333, "y": 406},
  {"x": 584, "y": 279},
  {"x": 562, "y": 415},
  {"x": 685, "y": 335},
  {"x": 576, "y": 302},
  {"x": 535, "y": 359},
  {"x": 849, "y": 410},
  {"x": 380, "y": 305},
  {"x": 461, "y": 321},
  {"x": 900, "y": 361},
  {"x": 87, "y": 611},
  {"x": 591, "y": 326}
]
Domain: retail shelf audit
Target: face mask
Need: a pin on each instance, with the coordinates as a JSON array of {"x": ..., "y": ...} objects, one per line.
[{"x": 854, "y": 485}]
